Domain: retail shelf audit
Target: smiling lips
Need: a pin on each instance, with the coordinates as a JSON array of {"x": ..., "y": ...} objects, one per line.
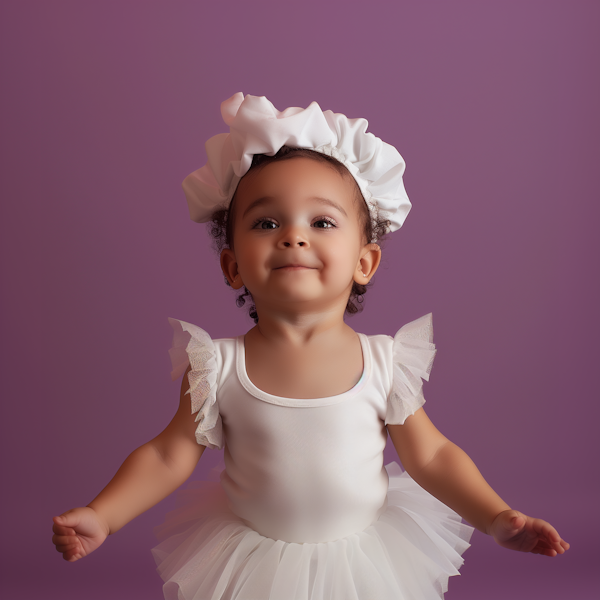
[{"x": 292, "y": 267}]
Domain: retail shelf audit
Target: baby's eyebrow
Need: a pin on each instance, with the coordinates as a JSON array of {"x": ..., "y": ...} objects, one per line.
[
  {"x": 330, "y": 203},
  {"x": 319, "y": 199},
  {"x": 258, "y": 202}
]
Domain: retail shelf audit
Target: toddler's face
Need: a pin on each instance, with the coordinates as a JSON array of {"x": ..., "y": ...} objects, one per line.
[{"x": 297, "y": 238}]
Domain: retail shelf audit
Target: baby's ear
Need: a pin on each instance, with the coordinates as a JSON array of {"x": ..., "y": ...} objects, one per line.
[
  {"x": 230, "y": 269},
  {"x": 370, "y": 257}
]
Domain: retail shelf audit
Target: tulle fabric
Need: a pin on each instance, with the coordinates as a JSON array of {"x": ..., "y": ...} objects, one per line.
[
  {"x": 207, "y": 553},
  {"x": 193, "y": 346},
  {"x": 413, "y": 352}
]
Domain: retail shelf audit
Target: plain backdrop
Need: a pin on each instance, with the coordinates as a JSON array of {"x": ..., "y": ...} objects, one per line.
[{"x": 105, "y": 108}]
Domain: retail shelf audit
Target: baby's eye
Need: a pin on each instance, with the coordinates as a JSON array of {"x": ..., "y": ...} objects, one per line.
[
  {"x": 264, "y": 223},
  {"x": 324, "y": 223}
]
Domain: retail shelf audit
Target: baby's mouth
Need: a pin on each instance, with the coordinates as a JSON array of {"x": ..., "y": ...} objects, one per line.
[{"x": 292, "y": 267}]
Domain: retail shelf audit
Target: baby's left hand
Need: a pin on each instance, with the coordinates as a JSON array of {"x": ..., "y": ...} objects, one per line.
[{"x": 516, "y": 531}]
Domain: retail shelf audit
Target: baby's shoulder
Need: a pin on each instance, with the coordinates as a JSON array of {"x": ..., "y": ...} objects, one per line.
[
  {"x": 381, "y": 350},
  {"x": 380, "y": 340},
  {"x": 412, "y": 344},
  {"x": 189, "y": 331},
  {"x": 409, "y": 359},
  {"x": 415, "y": 333},
  {"x": 193, "y": 346}
]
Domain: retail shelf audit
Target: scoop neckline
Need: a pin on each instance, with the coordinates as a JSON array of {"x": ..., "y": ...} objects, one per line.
[{"x": 301, "y": 402}]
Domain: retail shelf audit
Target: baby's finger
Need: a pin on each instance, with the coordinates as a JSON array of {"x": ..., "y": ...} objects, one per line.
[
  {"x": 550, "y": 543},
  {"x": 63, "y": 529},
  {"x": 545, "y": 528},
  {"x": 517, "y": 521},
  {"x": 561, "y": 546},
  {"x": 507, "y": 525},
  {"x": 543, "y": 548},
  {"x": 71, "y": 556},
  {"x": 62, "y": 540},
  {"x": 69, "y": 519},
  {"x": 62, "y": 548},
  {"x": 553, "y": 537}
]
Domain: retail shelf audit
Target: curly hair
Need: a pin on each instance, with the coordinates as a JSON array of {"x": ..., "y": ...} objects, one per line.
[{"x": 374, "y": 229}]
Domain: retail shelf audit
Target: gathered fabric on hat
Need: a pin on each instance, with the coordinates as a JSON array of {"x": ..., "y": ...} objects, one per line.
[{"x": 257, "y": 127}]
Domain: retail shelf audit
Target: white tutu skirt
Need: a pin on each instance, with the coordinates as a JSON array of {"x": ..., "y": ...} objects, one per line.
[{"x": 207, "y": 553}]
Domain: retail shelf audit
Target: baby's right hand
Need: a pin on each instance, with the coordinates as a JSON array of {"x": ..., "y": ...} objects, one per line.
[{"x": 78, "y": 532}]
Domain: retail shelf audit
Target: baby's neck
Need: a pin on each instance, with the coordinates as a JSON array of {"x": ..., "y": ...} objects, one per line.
[
  {"x": 304, "y": 358},
  {"x": 299, "y": 329}
]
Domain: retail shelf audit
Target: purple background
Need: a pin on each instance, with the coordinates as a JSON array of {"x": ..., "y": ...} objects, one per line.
[{"x": 105, "y": 109}]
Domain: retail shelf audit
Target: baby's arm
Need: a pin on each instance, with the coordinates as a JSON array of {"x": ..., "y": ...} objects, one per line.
[
  {"x": 148, "y": 475},
  {"x": 446, "y": 472}
]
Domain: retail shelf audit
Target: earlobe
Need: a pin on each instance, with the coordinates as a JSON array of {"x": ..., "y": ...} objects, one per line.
[
  {"x": 368, "y": 263},
  {"x": 229, "y": 267}
]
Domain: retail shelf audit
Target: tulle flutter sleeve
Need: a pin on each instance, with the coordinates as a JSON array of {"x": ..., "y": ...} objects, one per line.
[
  {"x": 413, "y": 351},
  {"x": 193, "y": 346}
]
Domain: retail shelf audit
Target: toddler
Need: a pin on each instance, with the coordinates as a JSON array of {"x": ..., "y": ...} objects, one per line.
[{"x": 303, "y": 405}]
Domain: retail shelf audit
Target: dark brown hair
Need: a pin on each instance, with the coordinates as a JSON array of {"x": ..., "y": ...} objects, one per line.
[{"x": 221, "y": 225}]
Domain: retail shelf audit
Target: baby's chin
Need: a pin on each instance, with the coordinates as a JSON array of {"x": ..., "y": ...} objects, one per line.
[{"x": 301, "y": 299}]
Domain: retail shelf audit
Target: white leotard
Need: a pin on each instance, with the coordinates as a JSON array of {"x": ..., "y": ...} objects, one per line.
[{"x": 305, "y": 509}]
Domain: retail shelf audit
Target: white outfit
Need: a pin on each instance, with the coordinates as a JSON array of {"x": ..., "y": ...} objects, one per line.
[{"x": 305, "y": 509}]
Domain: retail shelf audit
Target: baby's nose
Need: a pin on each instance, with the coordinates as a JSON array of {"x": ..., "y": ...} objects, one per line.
[{"x": 293, "y": 237}]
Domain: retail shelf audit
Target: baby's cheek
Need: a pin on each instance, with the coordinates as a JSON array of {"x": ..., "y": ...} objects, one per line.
[{"x": 345, "y": 257}]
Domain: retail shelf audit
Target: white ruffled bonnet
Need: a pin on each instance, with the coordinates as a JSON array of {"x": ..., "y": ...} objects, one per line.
[{"x": 257, "y": 127}]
